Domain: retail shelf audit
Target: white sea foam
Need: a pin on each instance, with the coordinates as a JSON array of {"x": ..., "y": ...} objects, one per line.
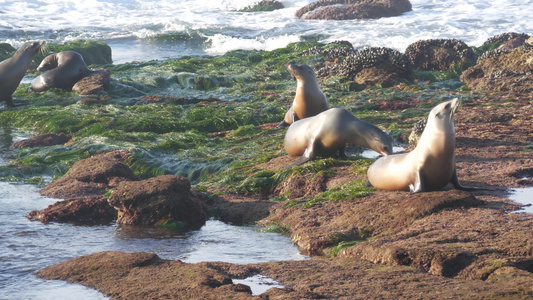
[
  {"x": 223, "y": 43},
  {"x": 225, "y": 29}
]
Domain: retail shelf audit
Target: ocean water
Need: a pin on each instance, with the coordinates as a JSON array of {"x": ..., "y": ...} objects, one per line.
[{"x": 161, "y": 29}]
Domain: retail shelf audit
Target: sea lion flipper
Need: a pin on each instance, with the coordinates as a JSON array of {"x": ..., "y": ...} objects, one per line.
[
  {"x": 282, "y": 124},
  {"x": 418, "y": 185},
  {"x": 9, "y": 101},
  {"x": 459, "y": 186},
  {"x": 342, "y": 151}
]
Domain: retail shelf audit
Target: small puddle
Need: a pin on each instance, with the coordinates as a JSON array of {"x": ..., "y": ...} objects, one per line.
[
  {"x": 373, "y": 154},
  {"x": 523, "y": 196},
  {"x": 259, "y": 283}
]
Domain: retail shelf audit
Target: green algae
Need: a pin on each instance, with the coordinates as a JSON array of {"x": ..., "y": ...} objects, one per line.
[
  {"x": 344, "y": 244},
  {"x": 352, "y": 190},
  {"x": 171, "y": 224},
  {"x": 200, "y": 117},
  {"x": 93, "y": 52}
]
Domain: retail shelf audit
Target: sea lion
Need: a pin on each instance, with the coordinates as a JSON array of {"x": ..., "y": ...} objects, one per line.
[
  {"x": 61, "y": 70},
  {"x": 329, "y": 131},
  {"x": 309, "y": 99},
  {"x": 430, "y": 166},
  {"x": 13, "y": 69}
]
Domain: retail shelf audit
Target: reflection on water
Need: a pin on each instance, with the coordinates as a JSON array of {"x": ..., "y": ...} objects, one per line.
[{"x": 523, "y": 196}]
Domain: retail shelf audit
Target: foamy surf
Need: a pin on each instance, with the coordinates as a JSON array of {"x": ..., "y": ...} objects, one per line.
[{"x": 131, "y": 27}]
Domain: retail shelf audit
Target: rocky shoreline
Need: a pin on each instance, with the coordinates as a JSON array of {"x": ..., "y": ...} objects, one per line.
[{"x": 140, "y": 140}]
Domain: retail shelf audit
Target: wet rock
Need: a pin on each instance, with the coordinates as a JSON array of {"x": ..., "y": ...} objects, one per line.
[
  {"x": 120, "y": 275},
  {"x": 43, "y": 140},
  {"x": 86, "y": 211},
  {"x": 368, "y": 67},
  {"x": 94, "y": 83},
  {"x": 507, "y": 72},
  {"x": 264, "y": 5},
  {"x": 158, "y": 201},
  {"x": 92, "y": 176},
  {"x": 462, "y": 242},
  {"x": 503, "y": 43},
  {"x": 353, "y": 9},
  {"x": 239, "y": 210},
  {"x": 440, "y": 54}
]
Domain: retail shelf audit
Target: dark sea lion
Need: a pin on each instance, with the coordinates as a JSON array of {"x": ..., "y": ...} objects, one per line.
[
  {"x": 329, "y": 131},
  {"x": 309, "y": 99},
  {"x": 61, "y": 70},
  {"x": 13, "y": 69},
  {"x": 430, "y": 166}
]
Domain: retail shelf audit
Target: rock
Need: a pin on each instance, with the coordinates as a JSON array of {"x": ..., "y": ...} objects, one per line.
[
  {"x": 161, "y": 200},
  {"x": 43, "y": 140},
  {"x": 92, "y": 176},
  {"x": 503, "y": 43},
  {"x": 94, "y": 83},
  {"x": 367, "y": 67},
  {"x": 146, "y": 276},
  {"x": 440, "y": 54},
  {"x": 418, "y": 128},
  {"x": 86, "y": 211},
  {"x": 353, "y": 9},
  {"x": 263, "y": 5},
  {"x": 240, "y": 210},
  {"x": 506, "y": 72}
]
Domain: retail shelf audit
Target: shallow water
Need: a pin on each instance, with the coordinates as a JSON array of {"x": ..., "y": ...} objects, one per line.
[
  {"x": 367, "y": 153},
  {"x": 523, "y": 196},
  {"x": 259, "y": 283},
  {"x": 26, "y": 246},
  {"x": 160, "y": 29}
]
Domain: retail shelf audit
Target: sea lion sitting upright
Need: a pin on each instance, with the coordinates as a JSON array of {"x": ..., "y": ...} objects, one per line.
[
  {"x": 13, "y": 69},
  {"x": 309, "y": 99},
  {"x": 430, "y": 166},
  {"x": 329, "y": 131},
  {"x": 61, "y": 70}
]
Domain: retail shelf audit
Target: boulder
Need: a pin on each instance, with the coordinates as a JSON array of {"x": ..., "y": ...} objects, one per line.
[
  {"x": 502, "y": 43},
  {"x": 505, "y": 72},
  {"x": 353, "y": 9},
  {"x": 43, "y": 140},
  {"x": 92, "y": 176},
  {"x": 440, "y": 54},
  {"x": 163, "y": 200},
  {"x": 94, "y": 83},
  {"x": 86, "y": 211},
  {"x": 367, "y": 67}
]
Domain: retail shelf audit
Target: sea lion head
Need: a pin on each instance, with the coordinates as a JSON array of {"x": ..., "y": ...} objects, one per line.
[
  {"x": 441, "y": 116},
  {"x": 31, "y": 48},
  {"x": 380, "y": 142},
  {"x": 301, "y": 72}
]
